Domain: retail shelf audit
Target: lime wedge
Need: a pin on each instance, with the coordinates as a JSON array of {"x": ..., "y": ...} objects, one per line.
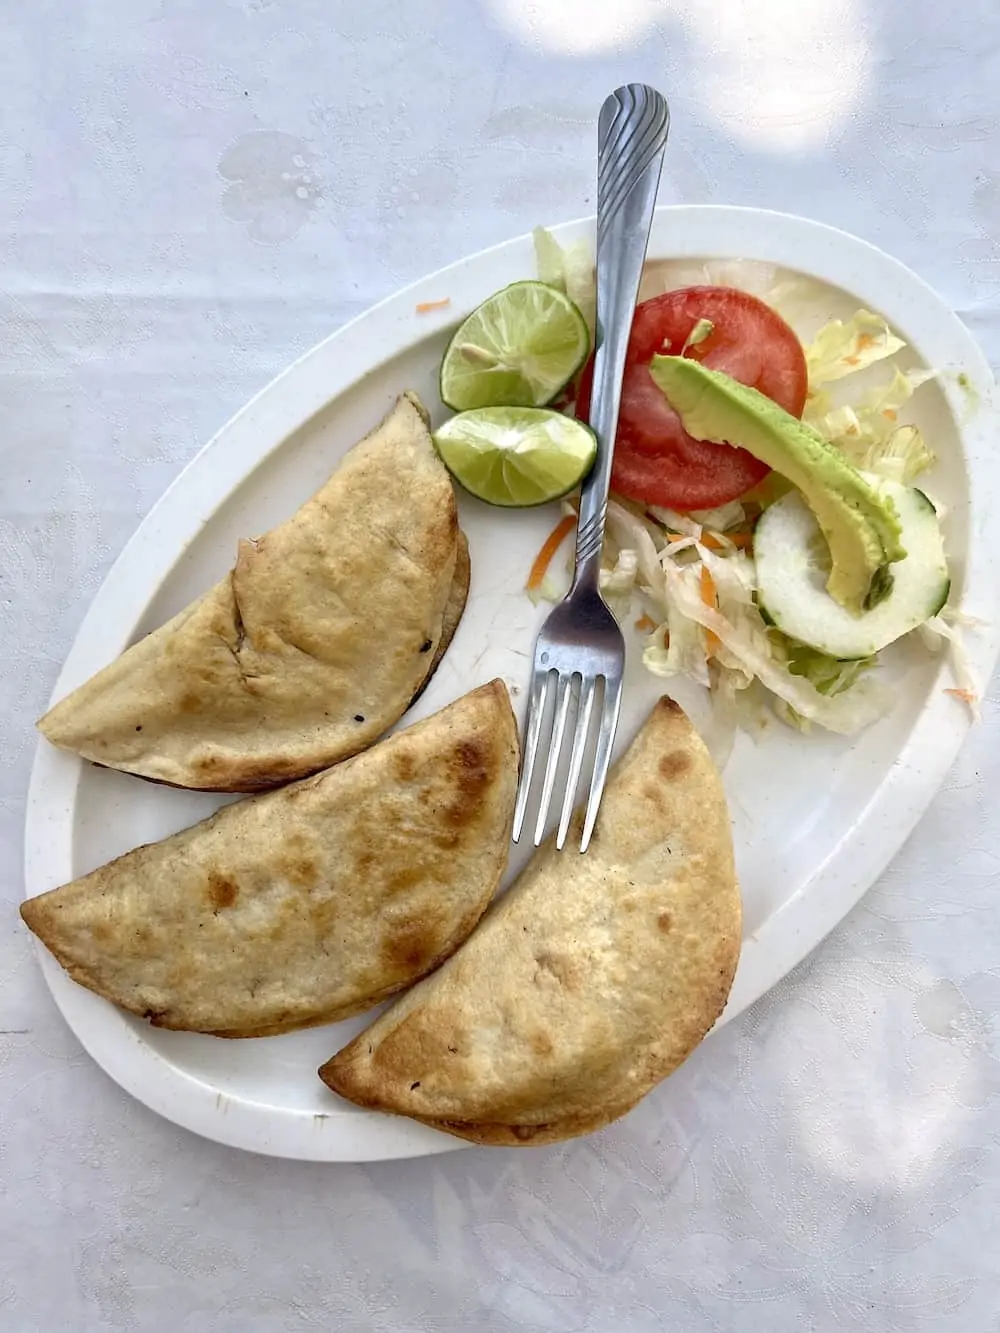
[
  {"x": 516, "y": 456},
  {"x": 518, "y": 349}
]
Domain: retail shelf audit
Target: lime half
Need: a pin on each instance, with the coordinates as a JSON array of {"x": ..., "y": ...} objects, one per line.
[
  {"x": 518, "y": 349},
  {"x": 516, "y": 456}
]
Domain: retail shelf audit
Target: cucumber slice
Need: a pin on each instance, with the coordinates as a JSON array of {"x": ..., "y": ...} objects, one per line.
[{"x": 793, "y": 564}]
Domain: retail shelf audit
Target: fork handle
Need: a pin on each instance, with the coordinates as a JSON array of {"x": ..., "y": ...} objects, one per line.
[{"x": 632, "y": 134}]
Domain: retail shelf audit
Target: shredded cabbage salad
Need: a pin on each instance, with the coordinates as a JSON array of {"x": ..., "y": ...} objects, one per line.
[{"x": 688, "y": 582}]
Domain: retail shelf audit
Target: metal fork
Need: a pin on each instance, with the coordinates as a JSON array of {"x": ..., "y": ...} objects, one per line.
[{"x": 580, "y": 645}]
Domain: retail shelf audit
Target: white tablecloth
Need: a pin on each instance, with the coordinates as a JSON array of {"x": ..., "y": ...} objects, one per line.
[{"x": 192, "y": 193}]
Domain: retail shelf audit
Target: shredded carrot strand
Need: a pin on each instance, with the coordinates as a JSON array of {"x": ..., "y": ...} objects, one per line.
[
  {"x": 708, "y": 596},
  {"x": 889, "y": 414},
  {"x": 550, "y": 546},
  {"x": 645, "y": 624},
  {"x": 966, "y": 696},
  {"x": 425, "y": 307},
  {"x": 866, "y": 340}
]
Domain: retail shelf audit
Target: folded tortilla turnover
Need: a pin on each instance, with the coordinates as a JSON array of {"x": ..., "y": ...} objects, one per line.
[
  {"x": 308, "y": 904},
  {"x": 311, "y": 648},
  {"x": 588, "y": 982}
]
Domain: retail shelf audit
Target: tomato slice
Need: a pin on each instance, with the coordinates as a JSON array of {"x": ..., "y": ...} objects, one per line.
[{"x": 656, "y": 460}]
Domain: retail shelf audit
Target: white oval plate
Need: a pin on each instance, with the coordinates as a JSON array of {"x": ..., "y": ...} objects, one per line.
[{"x": 816, "y": 818}]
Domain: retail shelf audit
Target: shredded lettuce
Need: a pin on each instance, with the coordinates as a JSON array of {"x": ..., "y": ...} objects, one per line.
[
  {"x": 547, "y": 591},
  {"x": 805, "y": 686},
  {"x": 900, "y": 457},
  {"x": 874, "y": 416},
  {"x": 840, "y": 425},
  {"x": 841, "y": 349},
  {"x": 868, "y": 432},
  {"x": 940, "y": 630},
  {"x": 886, "y": 400},
  {"x": 627, "y": 531},
  {"x": 684, "y": 524},
  {"x": 730, "y": 698},
  {"x": 581, "y": 287},
  {"x": 620, "y": 581},
  {"x": 704, "y": 328},
  {"x": 570, "y": 268},
  {"x": 677, "y": 648},
  {"x": 720, "y": 520},
  {"x": 952, "y": 616},
  {"x": 548, "y": 259},
  {"x": 829, "y": 674},
  {"x": 746, "y": 639}
]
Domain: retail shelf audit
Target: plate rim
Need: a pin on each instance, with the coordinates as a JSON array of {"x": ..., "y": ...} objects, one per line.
[{"x": 305, "y": 388}]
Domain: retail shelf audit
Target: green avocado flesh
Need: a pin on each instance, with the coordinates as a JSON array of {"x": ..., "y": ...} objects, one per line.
[{"x": 861, "y": 527}]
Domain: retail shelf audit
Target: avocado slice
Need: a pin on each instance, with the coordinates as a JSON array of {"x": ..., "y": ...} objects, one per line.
[{"x": 861, "y": 527}]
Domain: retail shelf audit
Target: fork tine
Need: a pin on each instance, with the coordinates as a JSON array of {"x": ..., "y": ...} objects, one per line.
[
  {"x": 602, "y": 759},
  {"x": 588, "y": 689},
  {"x": 536, "y": 711},
  {"x": 563, "y": 698}
]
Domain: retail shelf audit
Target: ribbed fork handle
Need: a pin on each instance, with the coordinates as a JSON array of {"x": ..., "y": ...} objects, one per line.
[{"x": 632, "y": 134}]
